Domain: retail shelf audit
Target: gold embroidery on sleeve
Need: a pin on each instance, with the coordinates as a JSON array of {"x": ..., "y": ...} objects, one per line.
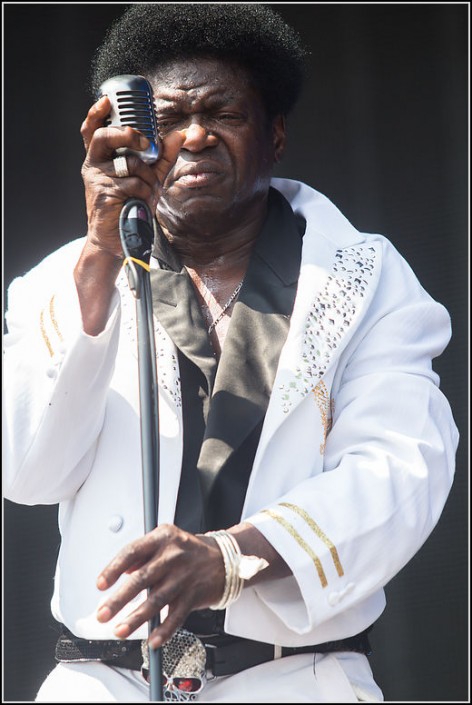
[
  {"x": 44, "y": 334},
  {"x": 294, "y": 533},
  {"x": 326, "y": 406},
  {"x": 314, "y": 527},
  {"x": 52, "y": 313}
]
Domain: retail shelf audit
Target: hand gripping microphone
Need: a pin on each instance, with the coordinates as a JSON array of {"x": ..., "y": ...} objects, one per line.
[{"x": 132, "y": 104}]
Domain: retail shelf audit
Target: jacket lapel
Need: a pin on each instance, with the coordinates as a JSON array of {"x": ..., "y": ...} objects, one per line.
[{"x": 335, "y": 286}]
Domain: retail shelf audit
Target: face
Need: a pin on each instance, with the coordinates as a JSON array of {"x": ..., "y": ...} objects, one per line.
[{"x": 222, "y": 173}]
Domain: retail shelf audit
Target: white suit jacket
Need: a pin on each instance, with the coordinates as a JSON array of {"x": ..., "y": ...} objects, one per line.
[{"x": 355, "y": 461}]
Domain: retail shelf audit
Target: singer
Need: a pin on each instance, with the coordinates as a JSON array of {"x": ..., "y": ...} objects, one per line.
[{"x": 306, "y": 449}]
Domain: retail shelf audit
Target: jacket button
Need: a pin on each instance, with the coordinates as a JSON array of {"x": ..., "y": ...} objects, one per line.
[
  {"x": 347, "y": 589},
  {"x": 334, "y": 598},
  {"x": 115, "y": 523}
]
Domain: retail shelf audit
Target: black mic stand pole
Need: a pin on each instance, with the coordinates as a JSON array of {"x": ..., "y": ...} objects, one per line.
[{"x": 137, "y": 234}]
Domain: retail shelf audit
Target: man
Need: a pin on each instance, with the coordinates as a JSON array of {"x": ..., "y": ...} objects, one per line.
[{"x": 299, "y": 415}]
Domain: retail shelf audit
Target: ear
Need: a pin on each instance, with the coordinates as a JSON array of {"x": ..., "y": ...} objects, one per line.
[{"x": 278, "y": 136}]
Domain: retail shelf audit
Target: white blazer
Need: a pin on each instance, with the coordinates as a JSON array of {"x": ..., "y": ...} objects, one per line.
[{"x": 355, "y": 460}]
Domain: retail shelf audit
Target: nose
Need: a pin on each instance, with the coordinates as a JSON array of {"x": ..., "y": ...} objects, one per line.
[{"x": 198, "y": 137}]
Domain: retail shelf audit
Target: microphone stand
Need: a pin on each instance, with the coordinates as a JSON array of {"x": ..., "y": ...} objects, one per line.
[{"x": 137, "y": 234}]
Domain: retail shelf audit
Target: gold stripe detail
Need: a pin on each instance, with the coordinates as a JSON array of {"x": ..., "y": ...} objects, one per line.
[
  {"x": 314, "y": 527},
  {"x": 293, "y": 532},
  {"x": 325, "y": 406},
  {"x": 52, "y": 313},
  {"x": 44, "y": 334}
]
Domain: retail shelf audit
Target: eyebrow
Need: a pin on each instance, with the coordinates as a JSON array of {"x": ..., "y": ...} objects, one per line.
[{"x": 217, "y": 100}]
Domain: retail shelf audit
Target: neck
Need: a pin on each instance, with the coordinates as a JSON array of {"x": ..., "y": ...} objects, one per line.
[
  {"x": 215, "y": 278},
  {"x": 216, "y": 263},
  {"x": 211, "y": 248}
]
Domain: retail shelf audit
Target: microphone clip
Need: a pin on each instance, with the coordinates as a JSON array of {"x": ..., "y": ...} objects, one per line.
[{"x": 137, "y": 235}]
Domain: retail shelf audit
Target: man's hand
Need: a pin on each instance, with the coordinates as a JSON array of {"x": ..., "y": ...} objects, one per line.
[
  {"x": 183, "y": 571},
  {"x": 105, "y": 193}
]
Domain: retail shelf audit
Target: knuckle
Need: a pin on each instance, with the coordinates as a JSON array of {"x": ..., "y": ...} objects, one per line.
[
  {"x": 169, "y": 594},
  {"x": 143, "y": 575},
  {"x": 131, "y": 551},
  {"x": 134, "y": 187},
  {"x": 133, "y": 162},
  {"x": 170, "y": 531},
  {"x": 156, "y": 599},
  {"x": 137, "y": 190}
]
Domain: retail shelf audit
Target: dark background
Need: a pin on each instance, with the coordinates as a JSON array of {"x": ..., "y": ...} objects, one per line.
[{"x": 382, "y": 130}]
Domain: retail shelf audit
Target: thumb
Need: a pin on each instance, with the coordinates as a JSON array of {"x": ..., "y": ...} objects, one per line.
[{"x": 171, "y": 147}]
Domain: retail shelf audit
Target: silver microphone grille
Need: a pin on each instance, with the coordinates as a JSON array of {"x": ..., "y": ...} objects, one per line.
[{"x": 132, "y": 104}]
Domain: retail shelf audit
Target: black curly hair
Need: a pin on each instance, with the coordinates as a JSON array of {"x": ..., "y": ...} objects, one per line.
[{"x": 252, "y": 35}]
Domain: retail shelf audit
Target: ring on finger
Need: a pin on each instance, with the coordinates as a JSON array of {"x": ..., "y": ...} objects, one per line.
[{"x": 121, "y": 166}]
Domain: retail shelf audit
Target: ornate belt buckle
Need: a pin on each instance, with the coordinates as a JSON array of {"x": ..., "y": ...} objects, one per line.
[{"x": 183, "y": 666}]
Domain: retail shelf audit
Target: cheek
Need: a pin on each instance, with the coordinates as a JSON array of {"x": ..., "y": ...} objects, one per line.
[{"x": 255, "y": 158}]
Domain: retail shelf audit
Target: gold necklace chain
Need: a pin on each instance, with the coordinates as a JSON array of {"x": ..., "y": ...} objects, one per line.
[{"x": 225, "y": 307}]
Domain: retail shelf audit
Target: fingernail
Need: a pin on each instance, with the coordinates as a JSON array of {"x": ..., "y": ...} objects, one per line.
[
  {"x": 122, "y": 631},
  {"x": 143, "y": 142},
  {"x": 101, "y": 582},
  {"x": 104, "y": 614}
]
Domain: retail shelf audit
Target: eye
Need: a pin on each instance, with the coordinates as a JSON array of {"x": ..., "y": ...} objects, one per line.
[
  {"x": 163, "y": 124},
  {"x": 167, "y": 121},
  {"x": 231, "y": 118}
]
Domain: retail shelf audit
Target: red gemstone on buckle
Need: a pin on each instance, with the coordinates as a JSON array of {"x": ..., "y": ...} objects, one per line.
[{"x": 187, "y": 685}]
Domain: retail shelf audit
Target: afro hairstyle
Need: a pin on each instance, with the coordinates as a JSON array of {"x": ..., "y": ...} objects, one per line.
[{"x": 253, "y": 36}]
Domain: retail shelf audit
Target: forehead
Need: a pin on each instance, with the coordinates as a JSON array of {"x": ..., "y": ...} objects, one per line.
[{"x": 201, "y": 78}]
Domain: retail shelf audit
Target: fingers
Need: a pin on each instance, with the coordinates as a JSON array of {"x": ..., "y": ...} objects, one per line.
[
  {"x": 171, "y": 145},
  {"x": 157, "y": 599},
  {"x": 96, "y": 117},
  {"x": 105, "y": 192},
  {"x": 96, "y": 120},
  {"x": 179, "y": 570},
  {"x": 96, "y": 136},
  {"x": 134, "y": 554},
  {"x": 175, "y": 618},
  {"x": 101, "y": 144},
  {"x": 106, "y": 140}
]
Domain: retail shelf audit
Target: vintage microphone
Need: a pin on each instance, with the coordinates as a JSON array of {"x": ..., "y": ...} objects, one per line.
[{"x": 133, "y": 104}]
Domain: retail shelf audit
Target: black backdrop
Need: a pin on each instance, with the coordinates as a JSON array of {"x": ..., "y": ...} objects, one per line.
[{"x": 381, "y": 130}]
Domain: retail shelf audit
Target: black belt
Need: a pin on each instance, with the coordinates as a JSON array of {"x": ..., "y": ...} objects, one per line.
[{"x": 226, "y": 654}]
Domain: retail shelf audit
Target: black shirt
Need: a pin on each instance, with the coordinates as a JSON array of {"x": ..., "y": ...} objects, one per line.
[{"x": 224, "y": 404}]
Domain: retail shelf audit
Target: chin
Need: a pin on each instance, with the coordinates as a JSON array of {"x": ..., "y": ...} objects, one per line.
[
  {"x": 194, "y": 214},
  {"x": 192, "y": 203}
]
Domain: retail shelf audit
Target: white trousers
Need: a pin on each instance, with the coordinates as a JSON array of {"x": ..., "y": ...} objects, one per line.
[{"x": 304, "y": 678}]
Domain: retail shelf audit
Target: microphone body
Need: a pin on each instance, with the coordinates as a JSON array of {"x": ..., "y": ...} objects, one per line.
[{"x": 132, "y": 104}]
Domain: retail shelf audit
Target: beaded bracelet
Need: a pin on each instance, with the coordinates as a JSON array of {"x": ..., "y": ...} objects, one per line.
[{"x": 238, "y": 568}]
